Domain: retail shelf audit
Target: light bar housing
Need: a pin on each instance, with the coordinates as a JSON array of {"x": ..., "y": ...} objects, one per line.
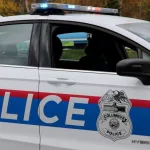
[{"x": 42, "y": 7}]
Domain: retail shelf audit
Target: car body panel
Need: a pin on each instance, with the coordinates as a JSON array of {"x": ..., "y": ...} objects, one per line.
[
  {"x": 76, "y": 127},
  {"x": 15, "y": 132}
]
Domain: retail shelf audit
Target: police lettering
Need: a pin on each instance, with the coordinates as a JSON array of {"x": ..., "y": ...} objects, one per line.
[
  {"x": 118, "y": 133},
  {"x": 115, "y": 115},
  {"x": 71, "y": 110}
]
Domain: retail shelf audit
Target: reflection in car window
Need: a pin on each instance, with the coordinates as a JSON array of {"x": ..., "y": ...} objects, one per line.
[
  {"x": 14, "y": 44},
  {"x": 140, "y": 29}
]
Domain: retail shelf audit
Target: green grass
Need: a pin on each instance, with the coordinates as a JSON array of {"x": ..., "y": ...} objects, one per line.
[
  {"x": 70, "y": 43},
  {"x": 77, "y": 54},
  {"x": 73, "y": 54},
  {"x": 131, "y": 53}
]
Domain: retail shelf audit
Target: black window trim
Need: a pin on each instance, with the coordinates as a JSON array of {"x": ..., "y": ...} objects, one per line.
[
  {"x": 115, "y": 34},
  {"x": 45, "y": 50},
  {"x": 33, "y": 58}
]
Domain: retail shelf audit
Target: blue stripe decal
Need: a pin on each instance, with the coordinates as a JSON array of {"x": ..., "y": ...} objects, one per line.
[{"x": 140, "y": 116}]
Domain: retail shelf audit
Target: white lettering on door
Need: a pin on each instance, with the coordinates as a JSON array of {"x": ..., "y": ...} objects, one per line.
[
  {"x": 71, "y": 111},
  {"x": 43, "y": 102},
  {"x": 4, "y": 114},
  {"x": 28, "y": 107}
]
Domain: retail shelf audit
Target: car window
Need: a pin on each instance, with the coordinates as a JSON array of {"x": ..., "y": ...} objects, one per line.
[
  {"x": 14, "y": 44},
  {"x": 73, "y": 45},
  {"x": 81, "y": 48},
  {"x": 145, "y": 56}
]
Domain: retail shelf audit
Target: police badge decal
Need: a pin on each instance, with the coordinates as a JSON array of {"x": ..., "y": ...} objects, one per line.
[{"x": 114, "y": 120}]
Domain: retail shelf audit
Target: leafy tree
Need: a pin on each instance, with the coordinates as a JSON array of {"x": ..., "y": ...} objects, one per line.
[
  {"x": 9, "y": 8},
  {"x": 130, "y": 8},
  {"x": 110, "y": 3},
  {"x": 148, "y": 15}
]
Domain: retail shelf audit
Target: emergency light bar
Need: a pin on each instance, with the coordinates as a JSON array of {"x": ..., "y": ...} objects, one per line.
[{"x": 41, "y": 7}]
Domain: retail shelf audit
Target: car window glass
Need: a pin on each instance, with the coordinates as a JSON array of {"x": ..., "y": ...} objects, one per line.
[
  {"x": 131, "y": 53},
  {"x": 83, "y": 48},
  {"x": 14, "y": 44},
  {"x": 73, "y": 45},
  {"x": 145, "y": 56}
]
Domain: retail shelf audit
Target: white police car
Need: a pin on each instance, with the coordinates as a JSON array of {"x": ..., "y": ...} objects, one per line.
[{"x": 52, "y": 99}]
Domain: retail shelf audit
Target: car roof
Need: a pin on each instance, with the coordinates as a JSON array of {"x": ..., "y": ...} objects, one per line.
[
  {"x": 94, "y": 18},
  {"x": 97, "y": 19},
  {"x": 105, "y": 21}
]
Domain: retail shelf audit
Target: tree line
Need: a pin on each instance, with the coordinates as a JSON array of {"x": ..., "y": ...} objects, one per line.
[{"x": 130, "y": 8}]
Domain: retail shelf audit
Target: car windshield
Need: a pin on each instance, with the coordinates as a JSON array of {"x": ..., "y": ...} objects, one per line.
[{"x": 140, "y": 29}]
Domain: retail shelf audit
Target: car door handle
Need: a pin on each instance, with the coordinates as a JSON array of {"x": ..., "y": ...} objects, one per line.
[{"x": 61, "y": 81}]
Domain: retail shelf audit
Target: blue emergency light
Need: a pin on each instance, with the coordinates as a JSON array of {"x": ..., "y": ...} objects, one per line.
[
  {"x": 38, "y": 7},
  {"x": 43, "y": 5}
]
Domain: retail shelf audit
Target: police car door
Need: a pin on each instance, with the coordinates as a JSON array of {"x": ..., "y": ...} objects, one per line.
[
  {"x": 90, "y": 110},
  {"x": 19, "y": 127}
]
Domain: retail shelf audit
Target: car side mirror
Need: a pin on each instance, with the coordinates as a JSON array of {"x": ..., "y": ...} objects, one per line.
[{"x": 138, "y": 68}]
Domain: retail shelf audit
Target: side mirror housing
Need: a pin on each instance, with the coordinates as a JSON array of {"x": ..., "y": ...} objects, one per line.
[{"x": 138, "y": 68}]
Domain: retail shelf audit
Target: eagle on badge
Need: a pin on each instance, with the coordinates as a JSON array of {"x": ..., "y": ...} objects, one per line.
[{"x": 114, "y": 120}]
